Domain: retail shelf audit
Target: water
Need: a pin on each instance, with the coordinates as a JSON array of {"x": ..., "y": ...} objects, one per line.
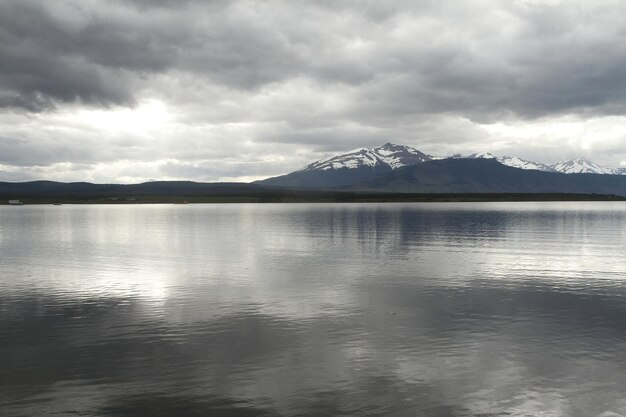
[{"x": 313, "y": 310}]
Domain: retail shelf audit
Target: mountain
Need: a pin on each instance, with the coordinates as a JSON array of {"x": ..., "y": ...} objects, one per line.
[
  {"x": 570, "y": 166},
  {"x": 584, "y": 166},
  {"x": 513, "y": 161},
  {"x": 351, "y": 167},
  {"x": 364, "y": 164},
  {"x": 487, "y": 175},
  {"x": 390, "y": 155},
  {"x": 444, "y": 176}
]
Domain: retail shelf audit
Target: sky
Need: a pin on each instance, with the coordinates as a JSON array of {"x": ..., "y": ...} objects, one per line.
[{"x": 136, "y": 90}]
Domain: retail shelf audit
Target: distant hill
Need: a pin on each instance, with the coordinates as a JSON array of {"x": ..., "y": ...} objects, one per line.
[
  {"x": 487, "y": 175},
  {"x": 433, "y": 181},
  {"x": 149, "y": 192},
  {"x": 85, "y": 189}
]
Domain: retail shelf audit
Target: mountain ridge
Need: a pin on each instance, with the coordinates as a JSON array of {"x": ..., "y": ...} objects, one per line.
[
  {"x": 568, "y": 166},
  {"x": 351, "y": 160},
  {"x": 363, "y": 164},
  {"x": 487, "y": 175},
  {"x": 388, "y": 168}
]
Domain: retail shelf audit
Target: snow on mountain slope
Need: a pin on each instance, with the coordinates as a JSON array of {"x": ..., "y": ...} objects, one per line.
[
  {"x": 571, "y": 166},
  {"x": 583, "y": 166},
  {"x": 393, "y": 156},
  {"x": 512, "y": 161},
  {"x": 481, "y": 155},
  {"x": 515, "y": 162}
]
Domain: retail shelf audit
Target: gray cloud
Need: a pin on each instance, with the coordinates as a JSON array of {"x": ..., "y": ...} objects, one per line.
[
  {"x": 323, "y": 76},
  {"x": 480, "y": 61}
]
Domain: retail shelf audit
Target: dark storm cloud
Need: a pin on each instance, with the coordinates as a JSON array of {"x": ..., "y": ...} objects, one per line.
[
  {"x": 47, "y": 58},
  {"x": 483, "y": 61},
  {"x": 100, "y": 54}
]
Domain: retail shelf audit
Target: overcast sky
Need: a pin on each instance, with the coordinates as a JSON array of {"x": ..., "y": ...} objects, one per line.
[{"x": 132, "y": 90}]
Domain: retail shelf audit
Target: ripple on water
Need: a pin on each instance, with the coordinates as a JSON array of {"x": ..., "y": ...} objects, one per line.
[{"x": 344, "y": 309}]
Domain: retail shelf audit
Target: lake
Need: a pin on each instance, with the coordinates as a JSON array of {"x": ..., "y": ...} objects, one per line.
[{"x": 417, "y": 309}]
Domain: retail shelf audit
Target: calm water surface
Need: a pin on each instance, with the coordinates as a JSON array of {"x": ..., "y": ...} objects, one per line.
[{"x": 313, "y": 310}]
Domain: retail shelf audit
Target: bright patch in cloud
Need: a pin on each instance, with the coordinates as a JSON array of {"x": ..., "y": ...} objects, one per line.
[{"x": 146, "y": 118}]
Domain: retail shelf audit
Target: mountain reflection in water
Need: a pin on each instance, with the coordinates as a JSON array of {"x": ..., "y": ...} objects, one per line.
[{"x": 314, "y": 309}]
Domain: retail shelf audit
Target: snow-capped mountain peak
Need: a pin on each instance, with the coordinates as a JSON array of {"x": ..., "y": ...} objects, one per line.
[
  {"x": 388, "y": 155},
  {"x": 481, "y": 155},
  {"x": 582, "y": 166}
]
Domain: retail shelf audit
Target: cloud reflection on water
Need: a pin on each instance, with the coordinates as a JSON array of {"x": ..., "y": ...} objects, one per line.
[{"x": 314, "y": 309}]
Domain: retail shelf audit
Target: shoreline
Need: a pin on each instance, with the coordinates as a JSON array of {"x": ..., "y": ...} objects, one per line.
[{"x": 310, "y": 197}]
